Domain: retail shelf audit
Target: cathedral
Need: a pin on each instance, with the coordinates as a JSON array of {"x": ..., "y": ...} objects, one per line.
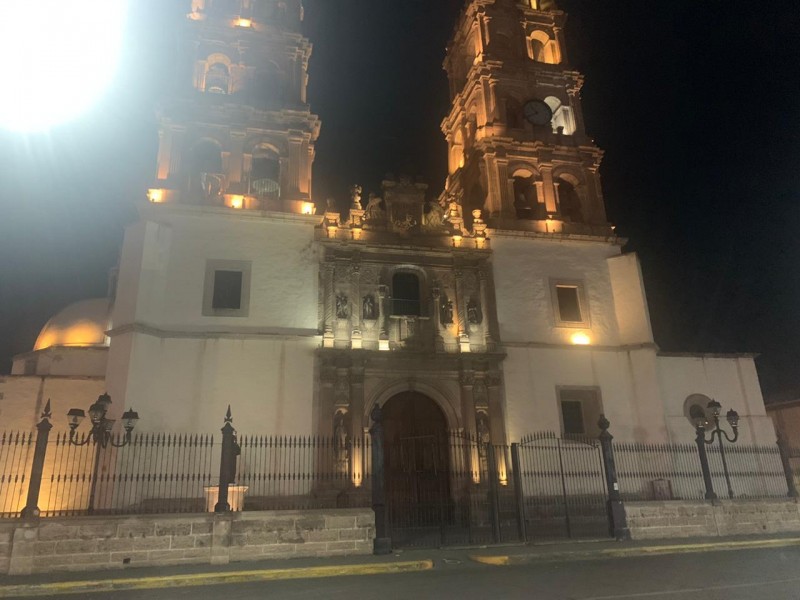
[{"x": 498, "y": 305}]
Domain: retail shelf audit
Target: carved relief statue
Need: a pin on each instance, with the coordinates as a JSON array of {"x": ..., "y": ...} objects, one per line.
[
  {"x": 446, "y": 311},
  {"x": 355, "y": 197},
  {"x": 435, "y": 215},
  {"x": 404, "y": 225},
  {"x": 454, "y": 210},
  {"x": 369, "y": 309},
  {"x": 482, "y": 425},
  {"x": 374, "y": 212},
  {"x": 342, "y": 306},
  {"x": 474, "y": 312},
  {"x": 340, "y": 441}
]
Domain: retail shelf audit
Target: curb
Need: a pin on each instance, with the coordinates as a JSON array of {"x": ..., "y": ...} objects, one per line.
[
  {"x": 520, "y": 559},
  {"x": 201, "y": 579}
]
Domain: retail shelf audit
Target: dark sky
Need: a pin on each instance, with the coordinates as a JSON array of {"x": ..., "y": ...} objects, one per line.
[{"x": 697, "y": 105}]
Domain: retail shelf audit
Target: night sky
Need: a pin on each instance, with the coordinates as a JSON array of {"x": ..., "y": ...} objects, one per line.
[{"x": 697, "y": 105}]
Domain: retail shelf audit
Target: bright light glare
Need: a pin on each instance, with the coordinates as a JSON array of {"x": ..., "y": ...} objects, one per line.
[{"x": 60, "y": 55}]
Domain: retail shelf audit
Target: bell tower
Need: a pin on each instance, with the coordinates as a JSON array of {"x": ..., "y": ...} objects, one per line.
[
  {"x": 516, "y": 138},
  {"x": 236, "y": 130}
]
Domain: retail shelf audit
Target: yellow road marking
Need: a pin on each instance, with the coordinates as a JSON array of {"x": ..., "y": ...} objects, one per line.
[
  {"x": 198, "y": 579},
  {"x": 500, "y": 561}
]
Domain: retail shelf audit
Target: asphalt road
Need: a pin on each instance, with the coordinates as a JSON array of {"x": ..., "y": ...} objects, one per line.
[{"x": 770, "y": 574}]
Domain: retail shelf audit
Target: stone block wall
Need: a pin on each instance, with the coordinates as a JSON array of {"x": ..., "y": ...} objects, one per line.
[
  {"x": 89, "y": 543},
  {"x": 680, "y": 518}
]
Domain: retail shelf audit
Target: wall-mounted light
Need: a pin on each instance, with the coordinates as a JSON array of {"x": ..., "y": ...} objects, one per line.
[
  {"x": 155, "y": 195},
  {"x": 309, "y": 208},
  {"x": 242, "y": 22},
  {"x": 237, "y": 201},
  {"x": 580, "y": 339},
  {"x": 457, "y": 241}
]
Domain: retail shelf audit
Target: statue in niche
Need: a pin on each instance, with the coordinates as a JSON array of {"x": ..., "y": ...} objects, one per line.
[
  {"x": 369, "y": 309},
  {"x": 373, "y": 212},
  {"x": 453, "y": 210},
  {"x": 341, "y": 442},
  {"x": 355, "y": 197},
  {"x": 482, "y": 424},
  {"x": 342, "y": 307},
  {"x": 446, "y": 312},
  {"x": 434, "y": 218},
  {"x": 474, "y": 312},
  {"x": 483, "y": 433}
]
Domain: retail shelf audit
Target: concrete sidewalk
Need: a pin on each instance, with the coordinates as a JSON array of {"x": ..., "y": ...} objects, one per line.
[{"x": 398, "y": 562}]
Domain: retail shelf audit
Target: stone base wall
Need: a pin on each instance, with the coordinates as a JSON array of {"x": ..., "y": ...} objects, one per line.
[
  {"x": 677, "y": 519},
  {"x": 90, "y": 543}
]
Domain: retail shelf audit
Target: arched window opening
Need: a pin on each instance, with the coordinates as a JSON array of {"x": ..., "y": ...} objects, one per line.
[
  {"x": 542, "y": 48},
  {"x": 563, "y": 118},
  {"x": 265, "y": 174},
  {"x": 218, "y": 79},
  {"x": 525, "y": 198},
  {"x": 206, "y": 173},
  {"x": 569, "y": 202},
  {"x": 513, "y": 114},
  {"x": 406, "y": 299}
]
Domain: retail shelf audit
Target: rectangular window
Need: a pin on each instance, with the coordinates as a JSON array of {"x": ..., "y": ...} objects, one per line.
[
  {"x": 572, "y": 415},
  {"x": 226, "y": 291},
  {"x": 580, "y": 411},
  {"x": 570, "y": 307}
]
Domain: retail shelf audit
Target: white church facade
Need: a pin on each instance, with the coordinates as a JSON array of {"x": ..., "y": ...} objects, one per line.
[{"x": 502, "y": 306}]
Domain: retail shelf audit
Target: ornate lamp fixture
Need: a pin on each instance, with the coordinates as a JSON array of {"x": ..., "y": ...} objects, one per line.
[
  {"x": 701, "y": 426},
  {"x": 100, "y": 433}
]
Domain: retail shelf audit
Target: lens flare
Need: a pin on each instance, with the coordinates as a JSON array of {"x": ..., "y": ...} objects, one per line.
[{"x": 60, "y": 57}]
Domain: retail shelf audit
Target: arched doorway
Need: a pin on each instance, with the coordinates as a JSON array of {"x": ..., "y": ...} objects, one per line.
[{"x": 417, "y": 468}]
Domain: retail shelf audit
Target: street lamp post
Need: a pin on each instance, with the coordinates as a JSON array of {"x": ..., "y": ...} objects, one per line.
[
  {"x": 701, "y": 424},
  {"x": 100, "y": 434}
]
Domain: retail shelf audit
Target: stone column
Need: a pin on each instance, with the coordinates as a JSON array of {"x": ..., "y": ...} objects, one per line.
[
  {"x": 357, "y": 457},
  {"x": 467, "y": 381},
  {"x": 293, "y": 174},
  {"x": 550, "y": 194},
  {"x": 327, "y": 399},
  {"x": 356, "y": 316},
  {"x": 328, "y": 300},
  {"x": 236, "y": 158},
  {"x": 497, "y": 420},
  {"x": 383, "y": 343},
  {"x": 438, "y": 338},
  {"x": 461, "y": 306},
  {"x": 483, "y": 283}
]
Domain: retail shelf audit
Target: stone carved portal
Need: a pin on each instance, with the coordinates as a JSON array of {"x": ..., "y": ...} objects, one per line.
[{"x": 417, "y": 459}]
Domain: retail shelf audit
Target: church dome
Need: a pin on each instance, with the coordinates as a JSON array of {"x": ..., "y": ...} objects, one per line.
[{"x": 81, "y": 324}]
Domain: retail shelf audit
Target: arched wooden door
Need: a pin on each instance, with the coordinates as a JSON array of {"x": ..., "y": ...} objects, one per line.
[{"x": 417, "y": 469}]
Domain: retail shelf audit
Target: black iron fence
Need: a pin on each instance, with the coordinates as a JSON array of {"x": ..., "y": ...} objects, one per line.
[
  {"x": 673, "y": 471},
  {"x": 427, "y": 490}
]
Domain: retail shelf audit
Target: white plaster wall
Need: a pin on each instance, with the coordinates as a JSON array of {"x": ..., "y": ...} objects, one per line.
[
  {"x": 164, "y": 264},
  {"x": 24, "y": 398},
  {"x": 180, "y": 369},
  {"x": 186, "y": 384},
  {"x": 627, "y": 382},
  {"x": 630, "y": 300},
  {"x": 523, "y": 269},
  {"x": 733, "y": 382}
]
